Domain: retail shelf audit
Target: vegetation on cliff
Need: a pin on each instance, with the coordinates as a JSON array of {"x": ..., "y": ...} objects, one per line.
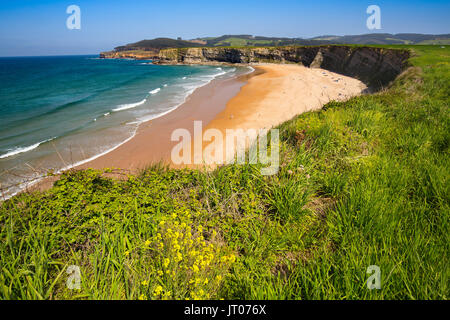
[{"x": 362, "y": 182}]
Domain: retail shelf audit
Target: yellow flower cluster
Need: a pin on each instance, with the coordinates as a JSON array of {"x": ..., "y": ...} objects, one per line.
[{"x": 191, "y": 266}]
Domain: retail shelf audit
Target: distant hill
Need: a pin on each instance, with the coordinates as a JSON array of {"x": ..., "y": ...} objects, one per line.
[
  {"x": 387, "y": 38},
  {"x": 158, "y": 44},
  {"x": 257, "y": 41}
]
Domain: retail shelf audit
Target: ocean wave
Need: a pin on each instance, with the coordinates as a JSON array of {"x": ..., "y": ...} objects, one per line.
[
  {"x": 155, "y": 91},
  {"x": 18, "y": 150},
  {"x": 129, "y": 106}
]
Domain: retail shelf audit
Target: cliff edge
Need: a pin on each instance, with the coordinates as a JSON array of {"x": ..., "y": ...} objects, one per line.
[{"x": 376, "y": 67}]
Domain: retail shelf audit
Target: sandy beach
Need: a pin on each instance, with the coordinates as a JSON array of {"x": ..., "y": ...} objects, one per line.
[{"x": 274, "y": 93}]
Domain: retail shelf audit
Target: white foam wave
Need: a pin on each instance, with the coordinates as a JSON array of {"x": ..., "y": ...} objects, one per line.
[
  {"x": 129, "y": 106},
  {"x": 18, "y": 150},
  {"x": 155, "y": 91}
]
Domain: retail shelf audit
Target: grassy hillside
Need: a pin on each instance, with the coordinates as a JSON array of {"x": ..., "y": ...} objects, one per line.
[
  {"x": 371, "y": 38},
  {"x": 157, "y": 44},
  {"x": 363, "y": 182}
]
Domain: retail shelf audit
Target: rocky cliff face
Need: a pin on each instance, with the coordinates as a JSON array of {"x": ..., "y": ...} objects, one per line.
[
  {"x": 376, "y": 67},
  {"x": 130, "y": 54}
]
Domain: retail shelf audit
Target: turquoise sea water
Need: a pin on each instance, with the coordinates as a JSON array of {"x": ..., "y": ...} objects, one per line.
[{"x": 57, "y": 112}]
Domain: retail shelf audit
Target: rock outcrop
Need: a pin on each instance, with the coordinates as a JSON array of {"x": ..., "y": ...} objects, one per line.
[{"x": 376, "y": 67}]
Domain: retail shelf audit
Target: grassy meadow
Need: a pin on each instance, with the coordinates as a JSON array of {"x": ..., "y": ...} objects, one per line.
[{"x": 363, "y": 182}]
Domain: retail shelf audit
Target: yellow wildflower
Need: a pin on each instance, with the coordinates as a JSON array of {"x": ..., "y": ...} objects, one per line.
[{"x": 158, "y": 290}]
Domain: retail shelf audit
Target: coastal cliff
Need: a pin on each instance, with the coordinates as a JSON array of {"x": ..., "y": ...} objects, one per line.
[
  {"x": 376, "y": 67},
  {"x": 130, "y": 54}
]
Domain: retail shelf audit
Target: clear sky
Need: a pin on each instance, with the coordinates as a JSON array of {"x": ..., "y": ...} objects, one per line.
[{"x": 38, "y": 27}]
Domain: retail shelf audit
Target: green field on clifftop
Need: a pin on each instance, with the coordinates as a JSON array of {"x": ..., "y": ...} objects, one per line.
[{"x": 362, "y": 182}]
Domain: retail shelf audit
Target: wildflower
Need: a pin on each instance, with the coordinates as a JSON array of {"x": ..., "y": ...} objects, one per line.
[
  {"x": 142, "y": 297},
  {"x": 144, "y": 283},
  {"x": 166, "y": 262},
  {"x": 147, "y": 243},
  {"x": 219, "y": 277},
  {"x": 127, "y": 253},
  {"x": 158, "y": 290},
  {"x": 160, "y": 273},
  {"x": 179, "y": 257},
  {"x": 206, "y": 281}
]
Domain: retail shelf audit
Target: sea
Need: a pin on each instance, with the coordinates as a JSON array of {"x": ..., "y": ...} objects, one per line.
[{"x": 62, "y": 111}]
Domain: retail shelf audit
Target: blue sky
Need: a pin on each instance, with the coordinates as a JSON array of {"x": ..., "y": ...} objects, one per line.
[{"x": 38, "y": 27}]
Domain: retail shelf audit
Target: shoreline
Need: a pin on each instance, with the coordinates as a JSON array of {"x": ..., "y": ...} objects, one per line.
[
  {"x": 151, "y": 143},
  {"x": 246, "y": 102}
]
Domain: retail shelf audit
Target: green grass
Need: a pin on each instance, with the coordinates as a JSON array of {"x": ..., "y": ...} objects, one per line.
[
  {"x": 239, "y": 42},
  {"x": 363, "y": 182}
]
